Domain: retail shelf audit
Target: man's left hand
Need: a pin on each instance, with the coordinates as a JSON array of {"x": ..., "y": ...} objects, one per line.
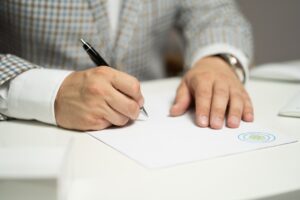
[{"x": 216, "y": 90}]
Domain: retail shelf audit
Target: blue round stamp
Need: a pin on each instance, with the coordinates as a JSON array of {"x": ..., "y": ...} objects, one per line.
[{"x": 257, "y": 137}]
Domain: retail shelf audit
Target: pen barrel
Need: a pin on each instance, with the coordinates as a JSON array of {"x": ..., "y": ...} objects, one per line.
[
  {"x": 95, "y": 57},
  {"x": 99, "y": 61}
]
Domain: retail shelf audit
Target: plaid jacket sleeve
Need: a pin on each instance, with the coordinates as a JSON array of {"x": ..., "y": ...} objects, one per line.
[
  {"x": 10, "y": 67},
  {"x": 220, "y": 23}
]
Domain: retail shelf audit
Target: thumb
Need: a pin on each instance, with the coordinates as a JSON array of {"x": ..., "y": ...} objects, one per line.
[{"x": 182, "y": 100}]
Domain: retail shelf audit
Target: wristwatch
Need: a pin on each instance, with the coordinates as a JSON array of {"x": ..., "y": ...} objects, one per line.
[{"x": 235, "y": 65}]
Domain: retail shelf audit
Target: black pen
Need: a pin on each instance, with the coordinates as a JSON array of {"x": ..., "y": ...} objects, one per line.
[{"x": 99, "y": 61}]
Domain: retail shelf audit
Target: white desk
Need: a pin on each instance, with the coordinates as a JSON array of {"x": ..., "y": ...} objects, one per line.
[{"x": 100, "y": 172}]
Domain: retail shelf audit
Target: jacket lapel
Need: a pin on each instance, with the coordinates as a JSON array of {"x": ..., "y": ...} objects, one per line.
[
  {"x": 128, "y": 19},
  {"x": 102, "y": 41}
]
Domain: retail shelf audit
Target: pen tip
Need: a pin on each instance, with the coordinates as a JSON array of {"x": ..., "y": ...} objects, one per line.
[{"x": 144, "y": 111}]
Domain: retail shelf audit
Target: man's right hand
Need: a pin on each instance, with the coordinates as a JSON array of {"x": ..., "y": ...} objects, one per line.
[{"x": 97, "y": 98}]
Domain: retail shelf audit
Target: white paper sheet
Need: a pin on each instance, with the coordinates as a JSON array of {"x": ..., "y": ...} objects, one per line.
[{"x": 162, "y": 141}]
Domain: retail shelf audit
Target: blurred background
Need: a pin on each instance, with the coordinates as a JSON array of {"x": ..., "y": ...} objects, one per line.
[{"x": 276, "y": 28}]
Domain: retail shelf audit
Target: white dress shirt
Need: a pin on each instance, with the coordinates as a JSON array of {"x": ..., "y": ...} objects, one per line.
[{"x": 30, "y": 96}]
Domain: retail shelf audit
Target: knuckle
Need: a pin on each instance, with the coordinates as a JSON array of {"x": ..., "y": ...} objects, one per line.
[
  {"x": 94, "y": 89},
  {"x": 236, "y": 112},
  {"x": 105, "y": 72},
  {"x": 218, "y": 111},
  {"x": 204, "y": 93},
  {"x": 202, "y": 110},
  {"x": 194, "y": 81},
  {"x": 100, "y": 70},
  {"x": 221, "y": 92},
  {"x": 247, "y": 100},
  {"x": 248, "y": 109},
  {"x": 237, "y": 95},
  {"x": 248, "y": 104}
]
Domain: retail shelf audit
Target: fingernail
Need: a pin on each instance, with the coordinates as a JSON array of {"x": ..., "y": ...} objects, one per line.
[
  {"x": 173, "y": 109},
  {"x": 141, "y": 102},
  {"x": 217, "y": 122},
  {"x": 202, "y": 120},
  {"x": 174, "y": 106},
  {"x": 234, "y": 120}
]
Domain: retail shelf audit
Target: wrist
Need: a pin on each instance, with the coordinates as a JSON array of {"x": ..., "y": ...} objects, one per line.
[
  {"x": 62, "y": 93},
  {"x": 235, "y": 65},
  {"x": 215, "y": 60}
]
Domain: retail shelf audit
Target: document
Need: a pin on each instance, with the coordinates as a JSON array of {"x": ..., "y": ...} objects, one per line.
[{"x": 163, "y": 141}]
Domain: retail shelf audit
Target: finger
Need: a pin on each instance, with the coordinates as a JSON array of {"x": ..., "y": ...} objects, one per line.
[
  {"x": 248, "y": 115},
  {"x": 129, "y": 86},
  {"x": 182, "y": 100},
  {"x": 203, "y": 96},
  {"x": 123, "y": 104},
  {"x": 90, "y": 122},
  {"x": 114, "y": 117},
  {"x": 100, "y": 124},
  {"x": 219, "y": 104},
  {"x": 235, "y": 109}
]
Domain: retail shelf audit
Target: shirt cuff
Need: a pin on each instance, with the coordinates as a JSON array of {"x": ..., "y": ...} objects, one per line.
[
  {"x": 3, "y": 99},
  {"x": 223, "y": 49},
  {"x": 32, "y": 94}
]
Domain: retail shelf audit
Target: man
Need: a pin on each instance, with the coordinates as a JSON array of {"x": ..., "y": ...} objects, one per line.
[{"x": 38, "y": 35}]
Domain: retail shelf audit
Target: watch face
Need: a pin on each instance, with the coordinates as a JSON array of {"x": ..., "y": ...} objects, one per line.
[
  {"x": 232, "y": 60},
  {"x": 235, "y": 65}
]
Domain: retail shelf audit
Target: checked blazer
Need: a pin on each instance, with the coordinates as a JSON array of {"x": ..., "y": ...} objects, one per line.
[{"x": 46, "y": 33}]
